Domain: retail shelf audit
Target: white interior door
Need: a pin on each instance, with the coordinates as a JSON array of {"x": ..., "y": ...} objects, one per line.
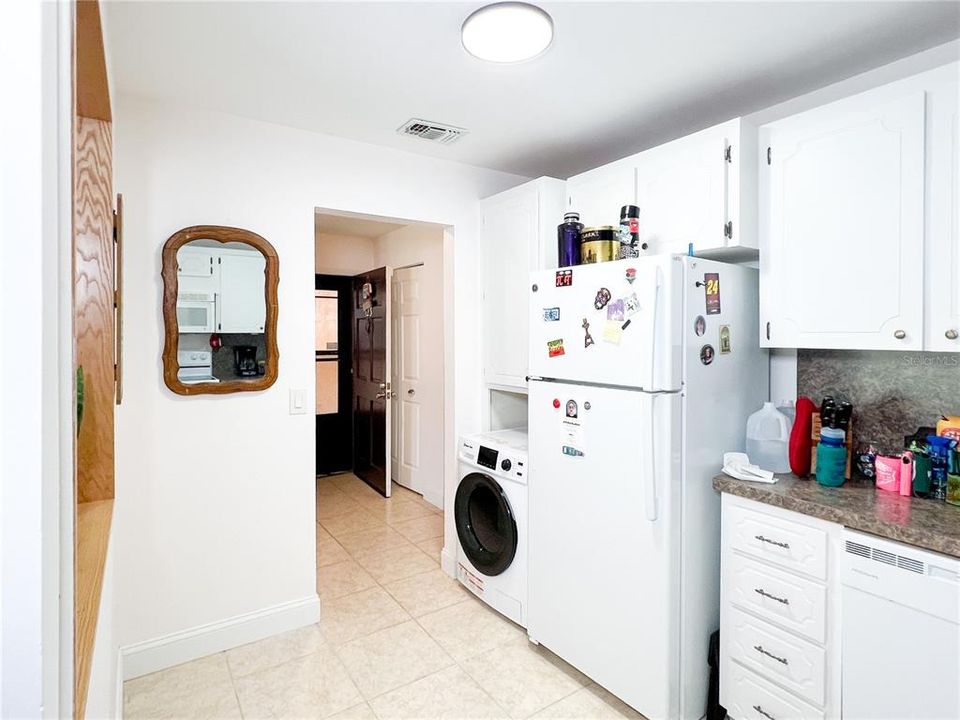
[{"x": 410, "y": 387}]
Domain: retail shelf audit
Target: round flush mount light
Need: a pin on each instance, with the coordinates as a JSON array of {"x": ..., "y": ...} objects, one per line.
[{"x": 507, "y": 32}]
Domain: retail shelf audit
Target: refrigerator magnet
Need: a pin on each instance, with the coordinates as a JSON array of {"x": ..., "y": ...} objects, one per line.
[
  {"x": 571, "y": 408},
  {"x": 706, "y": 354},
  {"x": 555, "y": 348},
  {"x": 711, "y": 287},
  {"x": 551, "y": 314},
  {"x": 587, "y": 337},
  {"x": 631, "y": 304},
  {"x": 699, "y": 326},
  {"x": 631, "y": 275},
  {"x": 615, "y": 311},
  {"x": 564, "y": 278},
  {"x": 724, "y": 339},
  {"x": 602, "y": 298},
  {"x": 612, "y": 332}
]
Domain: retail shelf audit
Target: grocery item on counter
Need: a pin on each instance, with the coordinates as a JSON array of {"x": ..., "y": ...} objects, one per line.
[
  {"x": 940, "y": 451},
  {"x": 831, "y": 457},
  {"x": 629, "y": 236},
  {"x": 888, "y": 473},
  {"x": 568, "y": 240},
  {"x": 953, "y": 479},
  {"x": 921, "y": 470},
  {"x": 949, "y": 426},
  {"x": 800, "y": 437},
  {"x": 920, "y": 436},
  {"x": 865, "y": 458},
  {"x": 599, "y": 244},
  {"x": 906, "y": 473},
  {"x": 768, "y": 439}
]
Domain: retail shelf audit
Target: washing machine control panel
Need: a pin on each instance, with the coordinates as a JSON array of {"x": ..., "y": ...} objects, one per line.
[
  {"x": 487, "y": 457},
  {"x": 504, "y": 460}
]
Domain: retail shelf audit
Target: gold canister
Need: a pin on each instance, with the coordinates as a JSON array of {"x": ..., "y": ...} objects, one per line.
[{"x": 599, "y": 244}]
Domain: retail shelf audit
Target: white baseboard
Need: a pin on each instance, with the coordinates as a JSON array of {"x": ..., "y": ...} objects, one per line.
[
  {"x": 448, "y": 562},
  {"x": 180, "y": 647}
]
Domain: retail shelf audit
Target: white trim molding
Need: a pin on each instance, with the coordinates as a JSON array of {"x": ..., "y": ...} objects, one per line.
[{"x": 180, "y": 647}]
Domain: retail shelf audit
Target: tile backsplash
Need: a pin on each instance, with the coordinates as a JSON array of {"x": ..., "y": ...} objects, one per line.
[{"x": 893, "y": 393}]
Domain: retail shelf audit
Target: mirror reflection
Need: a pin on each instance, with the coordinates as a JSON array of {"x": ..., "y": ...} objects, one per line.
[{"x": 221, "y": 312}]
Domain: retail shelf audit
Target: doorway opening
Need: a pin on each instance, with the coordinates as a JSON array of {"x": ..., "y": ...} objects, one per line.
[{"x": 379, "y": 352}]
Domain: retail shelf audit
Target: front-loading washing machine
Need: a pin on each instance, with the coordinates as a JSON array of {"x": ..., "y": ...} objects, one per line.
[{"x": 490, "y": 511}]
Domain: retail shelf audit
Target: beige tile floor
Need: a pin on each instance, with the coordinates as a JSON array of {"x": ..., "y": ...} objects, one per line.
[{"x": 397, "y": 638}]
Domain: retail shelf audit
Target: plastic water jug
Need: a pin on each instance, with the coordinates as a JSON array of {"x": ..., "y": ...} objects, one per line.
[{"x": 768, "y": 439}]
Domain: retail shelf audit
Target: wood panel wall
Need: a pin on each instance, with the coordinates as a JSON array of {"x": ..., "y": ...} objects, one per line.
[{"x": 94, "y": 306}]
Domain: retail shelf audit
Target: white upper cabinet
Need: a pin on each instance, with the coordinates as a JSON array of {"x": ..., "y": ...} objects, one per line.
[
  {"x": 942, "y": 301},
  {"x": 842, "y": 225},
  {"x": 599, "y": 194},
  {"x": 700, "y": 190},
  {"x": 518, "y": 234},
  {"x": 241, "y": 305}
]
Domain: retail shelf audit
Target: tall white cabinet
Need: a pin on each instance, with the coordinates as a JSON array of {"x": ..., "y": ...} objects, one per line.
[
  {"x": 858, "y": 232},
  {"x": 518, "y": 234},
  {"x": 241, "y": 307}
]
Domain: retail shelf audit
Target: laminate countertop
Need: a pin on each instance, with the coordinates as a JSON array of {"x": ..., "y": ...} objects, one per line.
[{"x": 928, "y": 524}]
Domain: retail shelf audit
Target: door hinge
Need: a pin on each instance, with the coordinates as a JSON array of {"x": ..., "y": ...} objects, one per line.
[
  {"x": 728, "y": 229},
  {"x": 114, "y": 225},
  {"x": 728, "y": 154},
  {"x": 768, "y": 155}
]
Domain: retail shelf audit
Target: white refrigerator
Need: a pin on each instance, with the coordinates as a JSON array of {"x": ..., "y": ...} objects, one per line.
[{"x": 642, "y": 374}]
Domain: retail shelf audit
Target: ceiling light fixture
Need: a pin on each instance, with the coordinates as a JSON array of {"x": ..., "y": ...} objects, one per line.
[{"x": 507, "y": 32}]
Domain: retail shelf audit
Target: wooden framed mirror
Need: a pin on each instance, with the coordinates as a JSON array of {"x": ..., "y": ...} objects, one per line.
[{"x": 219, "y": 311}]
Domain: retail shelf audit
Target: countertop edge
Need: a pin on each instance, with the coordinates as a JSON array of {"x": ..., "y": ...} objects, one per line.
[{"x": 866, "y": 521}]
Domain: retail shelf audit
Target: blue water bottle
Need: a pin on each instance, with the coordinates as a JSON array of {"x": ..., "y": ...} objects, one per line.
[
  {"x": 831, "y": 457},
  {"x": 568, "y": 240}
]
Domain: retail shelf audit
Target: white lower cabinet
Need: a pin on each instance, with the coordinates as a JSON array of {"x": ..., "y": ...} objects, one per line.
[{"x": 779, "y": 614}]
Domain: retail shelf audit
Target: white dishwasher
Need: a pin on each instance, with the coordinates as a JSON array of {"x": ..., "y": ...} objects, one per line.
[{"x": 900, "y": 630}]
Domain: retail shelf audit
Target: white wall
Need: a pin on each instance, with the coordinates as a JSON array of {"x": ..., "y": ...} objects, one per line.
[
  {"x": 412, "y": 245},
  {"x": 344, "y": 254},
  {"x": 36, "y": 450},
  {"x": 215, "y": 494}
]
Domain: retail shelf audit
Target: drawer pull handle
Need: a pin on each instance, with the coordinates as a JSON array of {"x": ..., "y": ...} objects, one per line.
[
  {"x": 764, "y": 712},
  {"x": 759, "y": 649},
  {"x": 761, "y": 538},
  {"x": 764, "y": 593}
]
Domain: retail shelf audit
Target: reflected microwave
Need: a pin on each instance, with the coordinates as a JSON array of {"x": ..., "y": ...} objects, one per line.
[{"x": 197, "y": 312}]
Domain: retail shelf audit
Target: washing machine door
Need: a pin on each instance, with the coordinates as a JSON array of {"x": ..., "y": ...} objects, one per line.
[{"x": 486, "y": 524}]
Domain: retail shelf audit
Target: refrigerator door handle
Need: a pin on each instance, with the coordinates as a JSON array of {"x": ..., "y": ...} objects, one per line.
[
  {"x": 650, "y": 463},
  {"x": 653, "y": 329}
]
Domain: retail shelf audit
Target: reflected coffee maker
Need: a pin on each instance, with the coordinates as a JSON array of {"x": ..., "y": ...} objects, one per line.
[{"x": 245, "y": 360}]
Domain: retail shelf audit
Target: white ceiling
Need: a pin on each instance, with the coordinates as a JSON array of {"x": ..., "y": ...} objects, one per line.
[
  {"x": 618, "y": 78},
  {"x": 352, "y": 225}
]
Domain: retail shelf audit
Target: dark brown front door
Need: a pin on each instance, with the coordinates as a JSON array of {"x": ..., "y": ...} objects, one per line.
[{"x": 371, "y": 377}]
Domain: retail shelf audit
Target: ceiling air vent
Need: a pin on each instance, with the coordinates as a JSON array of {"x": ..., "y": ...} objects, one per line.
[{"x": 434, "y": 132}]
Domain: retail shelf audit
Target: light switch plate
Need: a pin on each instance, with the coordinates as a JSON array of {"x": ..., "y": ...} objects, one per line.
[{"x": 298, "y": 402}]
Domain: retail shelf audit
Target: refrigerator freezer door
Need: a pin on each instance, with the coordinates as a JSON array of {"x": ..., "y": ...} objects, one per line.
[
  {"x": 613, "y": 323},
  {"x": 604, "y": 577}
]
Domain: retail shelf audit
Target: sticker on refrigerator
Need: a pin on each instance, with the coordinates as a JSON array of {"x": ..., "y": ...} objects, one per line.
[
  {"x": 572, "y": 451},
  {"x": 571, "y": 408},
  {"x": 724, "y": 339},
  {"x": 711, "y": 288},
  {"x": 602, "y": 298},
  {"x": 564, "y": 278},
  {"x": 631, "y": 275},
  {"x": 551, "y": 314},
  {"x": 699, "y": 326},
  {"x": 631, "y": 304},
  {"x": 612, "y": 330},
  {"x": 587, "y": 337},
  {"x": 615, "y": 311},
  {"x": 555, "y": 348},
  {"x": 706, "y": 354}
]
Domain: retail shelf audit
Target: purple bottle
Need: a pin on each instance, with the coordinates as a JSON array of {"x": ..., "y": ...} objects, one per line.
[{"x": 568, "y": 240}]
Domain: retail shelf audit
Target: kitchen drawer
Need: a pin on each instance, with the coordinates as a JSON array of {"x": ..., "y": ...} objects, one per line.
[
  {"x": 792, "y": 601},
  {"x": 775, "y": 654},
  {"x": 774, "y": 538},
  {"x": 747, "y": 696}
]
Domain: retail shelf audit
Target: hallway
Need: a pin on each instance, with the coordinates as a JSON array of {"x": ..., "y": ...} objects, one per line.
[{"x": 398, "y": 638}]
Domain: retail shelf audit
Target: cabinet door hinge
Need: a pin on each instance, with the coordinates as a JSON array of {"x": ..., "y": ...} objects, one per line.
[
  {"x": 728, "y": 154},
  {"x": 728, "y": 229},
  {"x": 768, "y": 155}
]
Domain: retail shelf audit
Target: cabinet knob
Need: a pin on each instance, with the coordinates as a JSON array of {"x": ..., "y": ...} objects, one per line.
[
  {"x": 950, "y": 334},
  {"x": 899, "y": 334}
]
